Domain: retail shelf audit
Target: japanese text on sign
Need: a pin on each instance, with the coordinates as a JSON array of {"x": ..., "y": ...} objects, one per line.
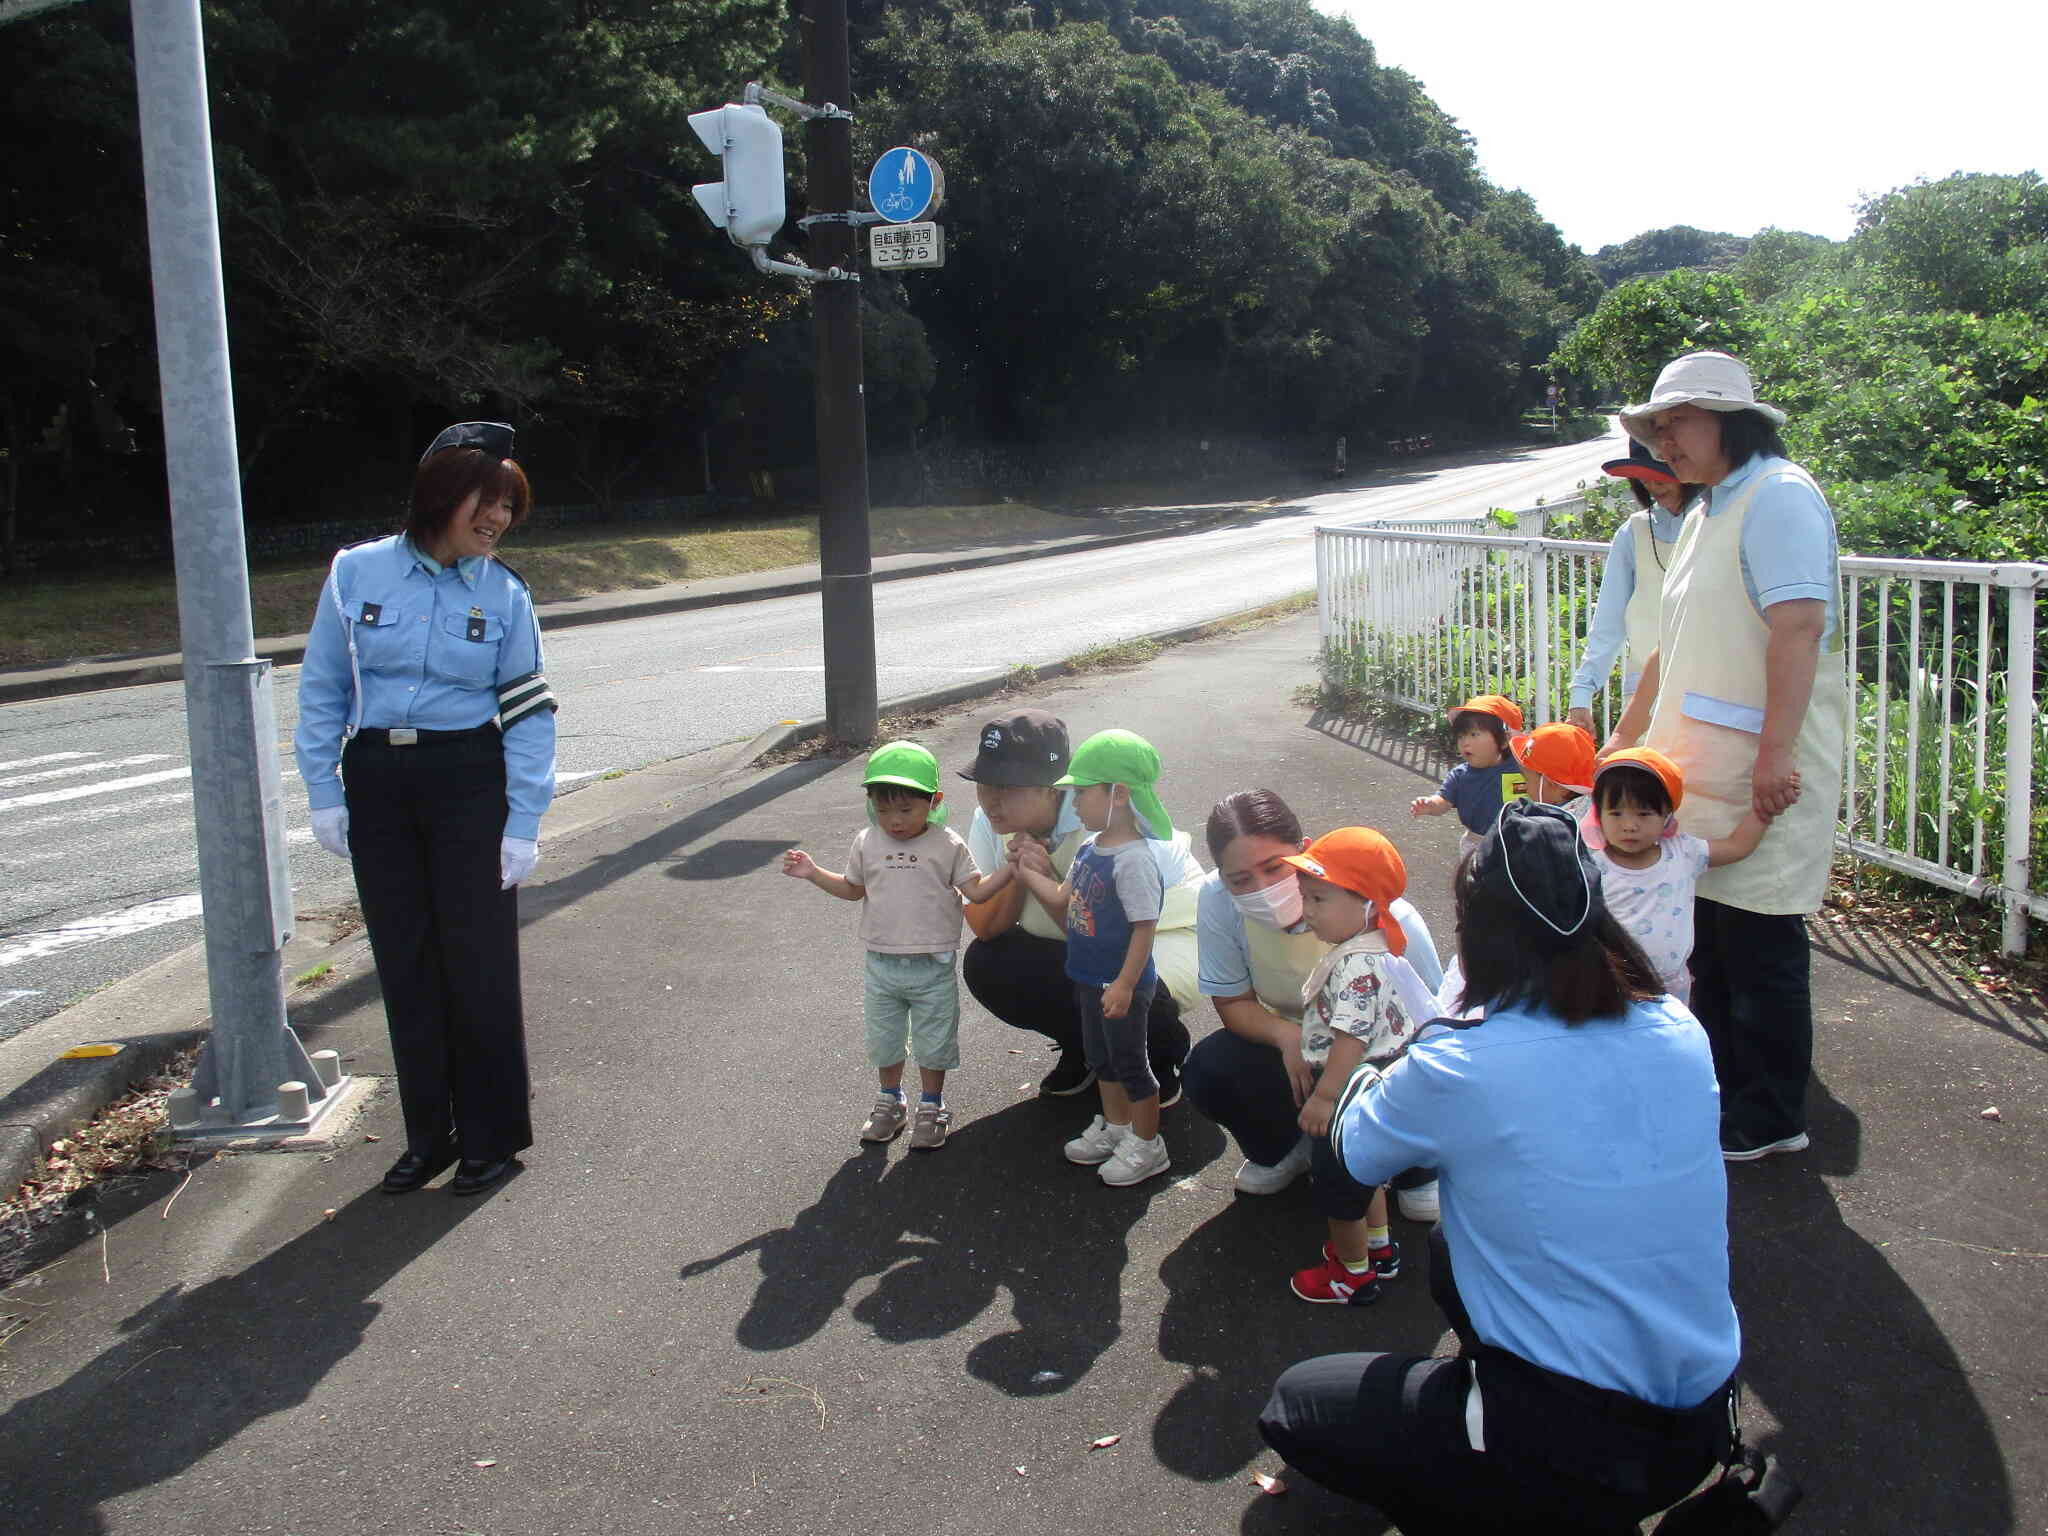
[{"x": 907, "y": 245}]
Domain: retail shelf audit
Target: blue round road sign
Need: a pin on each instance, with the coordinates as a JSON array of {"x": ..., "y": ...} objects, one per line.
[{"x": 905, "y": 184}]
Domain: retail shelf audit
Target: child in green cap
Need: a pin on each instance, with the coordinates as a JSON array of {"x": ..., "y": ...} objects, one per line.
[
  {"x": 904, "y": 871},
  {"x": 1110, "y": 904}
]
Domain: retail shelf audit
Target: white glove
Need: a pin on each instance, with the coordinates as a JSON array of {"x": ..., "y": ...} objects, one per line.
[
  {"x": 516, "y": 858},
  {"x": 330, "y": 830}
]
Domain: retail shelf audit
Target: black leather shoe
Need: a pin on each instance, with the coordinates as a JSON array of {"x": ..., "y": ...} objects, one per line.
[
  {"x": 414, "y": 1169},
  {"x": 478, "y": 1174}
]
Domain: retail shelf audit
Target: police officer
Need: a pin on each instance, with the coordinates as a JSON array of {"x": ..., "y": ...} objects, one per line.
[{"x": 426, "y": 740}]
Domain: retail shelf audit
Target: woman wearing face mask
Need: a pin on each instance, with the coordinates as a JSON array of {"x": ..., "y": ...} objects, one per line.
[{"x": 1249, "y": 1077}]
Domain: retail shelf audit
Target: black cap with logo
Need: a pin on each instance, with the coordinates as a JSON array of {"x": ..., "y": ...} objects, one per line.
[{"x": 1027, "y": 746}]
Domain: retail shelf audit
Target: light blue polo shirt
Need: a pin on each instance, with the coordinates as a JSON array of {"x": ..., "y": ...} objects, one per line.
[
  {"x": 1609, "y": 629},
  {"x": 1584, "y": 1196},
  {"x": 1226, "y": 948}
]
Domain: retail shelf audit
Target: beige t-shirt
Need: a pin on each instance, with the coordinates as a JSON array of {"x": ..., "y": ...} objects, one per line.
[{"x": 913, "y": 901}]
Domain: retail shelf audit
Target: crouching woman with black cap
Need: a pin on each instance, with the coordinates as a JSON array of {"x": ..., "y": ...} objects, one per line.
[
  {"x": 426, "y": 739},
  {"x": 1582, "y": 1258}
]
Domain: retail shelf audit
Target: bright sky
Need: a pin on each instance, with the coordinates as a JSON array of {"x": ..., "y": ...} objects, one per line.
[{"x": 1724, "y": 117}]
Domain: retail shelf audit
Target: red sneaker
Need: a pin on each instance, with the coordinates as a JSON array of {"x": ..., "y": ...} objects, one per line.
[
  {"x": 1386, "y": 1262},
  {"x": 1331, "y": 1283}
]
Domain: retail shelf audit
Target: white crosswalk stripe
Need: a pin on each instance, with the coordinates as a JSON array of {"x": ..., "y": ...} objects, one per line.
[
  {"x": 92, "y": 930},
  {"x": 82, "y": 791},
  {"x": 47, "y": 757},
  {"x": 77, "y": 768}
]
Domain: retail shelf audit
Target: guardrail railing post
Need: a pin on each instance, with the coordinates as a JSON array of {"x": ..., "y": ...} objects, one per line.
[
  {"x": 2019, "y": 756},
  {"x": 1539, "y": 626}
]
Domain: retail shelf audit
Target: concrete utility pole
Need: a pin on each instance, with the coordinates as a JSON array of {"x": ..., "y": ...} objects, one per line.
[
  {"x": 843, "y": 553},
  {"x": 252, "y": 1063}
]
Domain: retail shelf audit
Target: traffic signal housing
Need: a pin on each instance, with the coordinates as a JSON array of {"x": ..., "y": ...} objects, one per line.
[{"x": 748, "y": 205}]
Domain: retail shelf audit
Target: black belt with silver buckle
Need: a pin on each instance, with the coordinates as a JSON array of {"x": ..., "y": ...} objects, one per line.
[{"x": 413, "y": 736}]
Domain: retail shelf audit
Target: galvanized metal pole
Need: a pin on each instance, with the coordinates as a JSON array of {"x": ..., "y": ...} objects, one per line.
[
  {"x": 843, "y": 553},
  {"x": 237, "y": 793}
]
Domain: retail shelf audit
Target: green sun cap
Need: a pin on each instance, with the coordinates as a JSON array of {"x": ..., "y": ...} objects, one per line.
[
  {"x": 1126, "y": 758},
  {"x": 905, "y": 763}
]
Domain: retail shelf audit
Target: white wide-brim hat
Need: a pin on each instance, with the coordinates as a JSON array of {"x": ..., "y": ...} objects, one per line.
[{"x": 1713, "y": 381}]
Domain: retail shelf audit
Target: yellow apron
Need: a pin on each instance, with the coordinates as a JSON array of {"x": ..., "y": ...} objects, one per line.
[
  {"x": 1644, "y": 616},
  {"x": 1710, "y": 707},
  {"x": 1174, "y": 951},
  {"x": 1281, "y": 963}
]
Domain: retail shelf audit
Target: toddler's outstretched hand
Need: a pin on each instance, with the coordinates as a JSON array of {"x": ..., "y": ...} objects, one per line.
[
  {"x": 1419, "y": 806},
  {"x": 797, "y": 864}
]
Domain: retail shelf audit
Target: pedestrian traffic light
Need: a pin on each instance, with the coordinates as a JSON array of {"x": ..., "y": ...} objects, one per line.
[{"x": 748, "y": 204}]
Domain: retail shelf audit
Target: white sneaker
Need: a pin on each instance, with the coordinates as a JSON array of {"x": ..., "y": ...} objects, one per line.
[
  {"x": 1419, "y": 1203},
  {"x": 1098, "y": 1143},
  {"x": 1136, "y": 1160},
  {"x": 1270, "y": 1178}
]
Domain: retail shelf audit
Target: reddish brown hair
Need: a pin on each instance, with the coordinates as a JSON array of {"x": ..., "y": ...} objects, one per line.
[{"x": 446, "y": 480}]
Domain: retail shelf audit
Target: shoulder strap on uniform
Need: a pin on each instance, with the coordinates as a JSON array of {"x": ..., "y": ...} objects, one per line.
[{"x": 513, "y": 573}]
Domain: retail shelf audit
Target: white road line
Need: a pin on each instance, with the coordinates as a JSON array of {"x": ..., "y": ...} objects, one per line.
[
  {"x": 15, "y": 995},
  {"x": 93, "y": 813},
  {"x": 81, "y": 791},
  {"x": 47, "y": 757},
  {"x": 571, "y": 778},
  {"x": 78, "y": 768},
  {"x": 92, "y": 930},
  {"x": 962, "y": 671}
]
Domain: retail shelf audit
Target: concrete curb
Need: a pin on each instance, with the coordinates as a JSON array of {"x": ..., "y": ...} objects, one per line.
[
  {"x": 996, "y": 682},
  {"x": 55, "y": 680},
  {"x": 68, "y": 1093}
]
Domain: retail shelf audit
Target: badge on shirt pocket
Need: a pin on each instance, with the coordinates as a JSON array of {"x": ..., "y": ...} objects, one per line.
[
  {"x": 475, "y": 630},
  {"x": 373, "y": 613}
]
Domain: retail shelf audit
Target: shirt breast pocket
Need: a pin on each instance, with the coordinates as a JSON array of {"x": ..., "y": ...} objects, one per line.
[
  {"x": 465, "y": 650},
  {"x": 380, "y": 638}
]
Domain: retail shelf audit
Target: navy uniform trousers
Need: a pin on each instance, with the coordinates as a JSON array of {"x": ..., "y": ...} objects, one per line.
[{"x": 424, "y": 823}]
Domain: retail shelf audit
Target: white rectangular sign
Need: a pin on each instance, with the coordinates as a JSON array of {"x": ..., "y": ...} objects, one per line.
[{"x": 906, "y": 245}]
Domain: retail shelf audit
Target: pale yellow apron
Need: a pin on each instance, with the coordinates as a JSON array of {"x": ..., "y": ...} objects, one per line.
[
  {"x": 1710, "y": 706},
  {"x": 1174, "y": 951},
  {"x": 1281, "y": 963},
  {"x": 1644, "y": 616}
]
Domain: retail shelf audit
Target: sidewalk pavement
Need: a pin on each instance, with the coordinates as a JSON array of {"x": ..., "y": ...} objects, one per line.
[
  {"x": 1130, "y": 525},
  {"x": 705, "y": 1305}
]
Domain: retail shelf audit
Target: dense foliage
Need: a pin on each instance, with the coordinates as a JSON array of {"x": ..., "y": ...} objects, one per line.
[
  {"x": 1913, "y": 359},
  {"x": 1657, "y": 251},
  {"x": 1203, "y": 215}
]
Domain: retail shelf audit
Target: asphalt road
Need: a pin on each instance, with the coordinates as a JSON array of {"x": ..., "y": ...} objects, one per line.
[{"x": 98, "y": 874}]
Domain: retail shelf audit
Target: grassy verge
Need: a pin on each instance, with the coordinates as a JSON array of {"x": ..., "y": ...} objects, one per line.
[{"x": 68, "y": 617}]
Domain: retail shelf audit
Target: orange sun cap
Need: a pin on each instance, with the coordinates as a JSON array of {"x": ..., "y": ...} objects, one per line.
[
  {"x": 1650, "y": 761},
  {"x": 1502, "y": 709},
  {"x": 1364, "y": 863},
  {"x": 1560, "y": 751}
]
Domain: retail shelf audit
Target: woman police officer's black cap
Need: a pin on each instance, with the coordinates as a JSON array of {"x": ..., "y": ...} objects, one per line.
[{"x": 493, "y": 437}]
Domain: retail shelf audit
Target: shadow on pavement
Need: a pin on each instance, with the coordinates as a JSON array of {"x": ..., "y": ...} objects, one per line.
[
  {"x": 1395, "y": 747},
  {"x": 198, "y": 1368},
  {"x": 1919, "y": 974},
  {"x": 945, "y": 1231},
  {"x": 1878, "y": 1420},
  {"x": 1231, "y": 1319}
]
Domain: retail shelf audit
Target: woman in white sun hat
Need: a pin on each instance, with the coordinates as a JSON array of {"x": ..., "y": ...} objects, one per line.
[{"x": 1746, "y": 693}]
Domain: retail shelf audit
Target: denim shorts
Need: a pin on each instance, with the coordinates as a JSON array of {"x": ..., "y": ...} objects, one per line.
[
  {"x": 1116, "y": 1047},
  {"x": 912, "y": 1003}
]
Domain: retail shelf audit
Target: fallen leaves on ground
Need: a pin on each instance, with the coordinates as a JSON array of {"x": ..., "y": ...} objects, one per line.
[
  {"x": 1104, "y": 1442},
  {"x": 131, "y": 1135}
]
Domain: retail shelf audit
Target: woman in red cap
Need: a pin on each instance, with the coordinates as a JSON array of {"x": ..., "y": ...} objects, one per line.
[{"x": 1631, "y": 603}]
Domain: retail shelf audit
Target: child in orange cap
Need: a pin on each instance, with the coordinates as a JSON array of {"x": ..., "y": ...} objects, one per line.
[
  {"x": 1647, "y": 866},
  {"x": 1558, "y": 759},
  {"x": 1488, "y": 778},
  {"x": 1363, "y": 1002}
]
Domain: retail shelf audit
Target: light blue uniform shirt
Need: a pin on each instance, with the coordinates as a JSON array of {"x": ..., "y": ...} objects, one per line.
[
  {"x": 1584, "y": 1197},
  {"x": 1227, "y": 955},
  {"x": 1609, "y": 630},
  {"x": 1789, "y": 549},
  {"x": 412, "y": 619}
]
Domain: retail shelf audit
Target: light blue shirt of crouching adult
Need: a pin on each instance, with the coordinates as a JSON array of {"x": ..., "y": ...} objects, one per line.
[
  {"x": 1585, "y": 1200},
  {"x": 434, "y": 644},
  {"x": 1226, "y": 948},
  {"x": 1609, "y": 629}
]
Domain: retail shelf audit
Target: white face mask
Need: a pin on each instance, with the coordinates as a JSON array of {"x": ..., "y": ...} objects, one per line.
[{"x": 1277, "y": 906}]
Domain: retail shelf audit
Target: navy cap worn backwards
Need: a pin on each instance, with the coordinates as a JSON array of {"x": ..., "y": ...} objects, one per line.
[
  {"x": 1025, "y": 747},
  {"x": 494, "y": 437},
  {"x": 1536, "y": 859}
]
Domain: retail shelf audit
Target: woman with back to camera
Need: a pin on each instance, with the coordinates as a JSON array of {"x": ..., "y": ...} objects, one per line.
[
  {"x": 1583, "y": 1256},
  {"x": 426, "y": 739}
]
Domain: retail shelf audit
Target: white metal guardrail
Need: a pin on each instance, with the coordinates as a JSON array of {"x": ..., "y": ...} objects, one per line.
[{"x": 1938, "y": 782}]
